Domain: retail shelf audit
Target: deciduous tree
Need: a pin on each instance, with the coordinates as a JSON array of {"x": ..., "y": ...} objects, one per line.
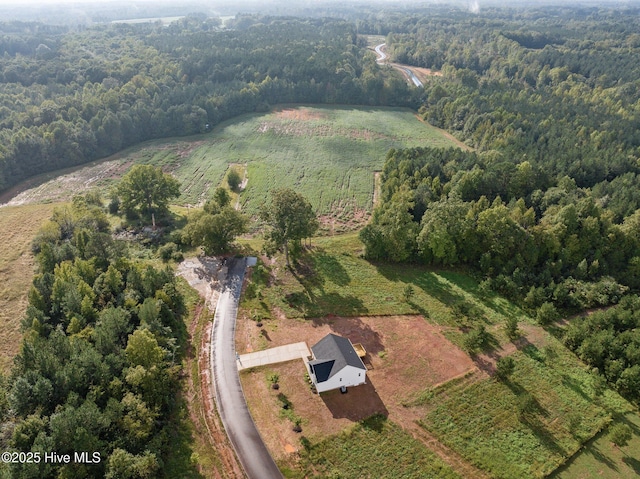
[
  {"x": 145, "y": 189},
  {"x": 289, "y": 217}
]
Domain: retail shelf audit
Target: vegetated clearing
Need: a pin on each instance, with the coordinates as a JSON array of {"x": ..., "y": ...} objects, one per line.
[
  {"x": 601, "y": 458},
  {"x": 524, "y": 427},
  {"x": 18, "y": 225},
  {"x": 329, "y": 154}
]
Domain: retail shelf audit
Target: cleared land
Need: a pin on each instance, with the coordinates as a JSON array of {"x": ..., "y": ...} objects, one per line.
[
  {"x": 18, "y": 226},
  {"x": 601, "y": 458},
  {"x": 329, "y": 154},
  {"x": 419, "y": 379}
]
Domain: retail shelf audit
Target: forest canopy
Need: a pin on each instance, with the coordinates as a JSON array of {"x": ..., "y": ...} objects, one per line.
[
  {"x": 71, "y": 96},
  {"x": 545, "y": 207}
]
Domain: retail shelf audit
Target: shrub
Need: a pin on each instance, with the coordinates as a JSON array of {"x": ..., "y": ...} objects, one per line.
[
  {"x": 505, "y": 367},
  {"x": 511, "y": 327},
  {"x": 620, "y": 434},
  {"x": 234, "y": 179},
  {"x": 547, "y": 313},
  {"x": 167, "y": 252}
]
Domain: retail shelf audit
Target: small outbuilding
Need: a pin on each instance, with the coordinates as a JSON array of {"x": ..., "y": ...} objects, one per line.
[{"x": 335, "y": 364}]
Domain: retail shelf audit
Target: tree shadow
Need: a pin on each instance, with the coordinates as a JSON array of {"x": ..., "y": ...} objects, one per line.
[
  {"x": 359, "y": 403},
  {"x": 529, "y": 349},
  {"x": 330, "y": 268},
  {"x": 632, "y": 463},
  {"x": 355, "y": 329},
  {"x": 588, "y": 448},
  {"x": 487, "y": 298},
  {"x": 575, "y": 386}
]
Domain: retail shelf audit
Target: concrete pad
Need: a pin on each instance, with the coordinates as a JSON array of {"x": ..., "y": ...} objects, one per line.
[{"x": 278, "y": 354}]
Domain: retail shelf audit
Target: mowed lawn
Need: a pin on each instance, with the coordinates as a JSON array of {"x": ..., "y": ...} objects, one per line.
[
  {"x": 18, "y": 225},
  {"x": 602, "y": 459}
]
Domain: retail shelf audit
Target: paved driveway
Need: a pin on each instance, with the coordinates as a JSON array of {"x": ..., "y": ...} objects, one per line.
[
  {"x": 237, "y": 421},
  {"x": 278, "y": 354}
]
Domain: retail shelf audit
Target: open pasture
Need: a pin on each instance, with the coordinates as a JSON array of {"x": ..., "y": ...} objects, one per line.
[
  {"x": 525, "y": 426},
  {"x": 329, "y": 154}
]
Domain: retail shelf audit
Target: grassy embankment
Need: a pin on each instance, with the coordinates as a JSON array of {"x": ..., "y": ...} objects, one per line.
[
  {"x": 523, "y": 427},
  {"x": 18, "y": 225}
]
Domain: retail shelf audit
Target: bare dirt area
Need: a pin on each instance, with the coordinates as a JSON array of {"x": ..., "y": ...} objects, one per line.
[
  {"x": 405, "y": 355},
  {"x": 65, "y": 186},
  {"x": 425, "y": 73},
  {"x": 204, "y": 274},
  {"x": 301, "y": 114}
]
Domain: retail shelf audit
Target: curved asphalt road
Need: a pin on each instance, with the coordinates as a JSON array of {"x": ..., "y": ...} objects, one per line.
[
  {"x": 382, "y": 59},
  {"x": 253, "y": 454}
]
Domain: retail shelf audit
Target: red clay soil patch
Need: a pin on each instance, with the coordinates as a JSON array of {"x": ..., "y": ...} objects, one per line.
[
  {"x": 405, "y": 355},
  {"x": 299, "y": 114}
]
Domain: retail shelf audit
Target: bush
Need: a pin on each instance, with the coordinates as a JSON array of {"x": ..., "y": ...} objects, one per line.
[
  {"x": 169, "y": 251},
  {"x": 234, "y": 179},
  {"x": 505, "y": 367},
  {"x": 547, "y": 313},
  {"x": 476, "y": 339},
  {"x": 511, "y": 327},
  {"x": 620, "y": 434}
]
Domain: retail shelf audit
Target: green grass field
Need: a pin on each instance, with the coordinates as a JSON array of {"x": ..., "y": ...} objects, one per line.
[
  {"x": 482, "y": 419},
  {"x": 485, "y": 421},
  {"x": 327, "y": 153},
  {"x": 374, "y": 448},
  {"x": 600, "y": 458},
  {"x": 333, "y": 278}
]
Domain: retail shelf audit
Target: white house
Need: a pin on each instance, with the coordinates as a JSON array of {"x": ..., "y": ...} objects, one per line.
[{"x": 335, "y": 364}]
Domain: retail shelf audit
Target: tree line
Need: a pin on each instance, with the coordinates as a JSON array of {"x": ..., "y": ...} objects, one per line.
[
  {"x": 98, "y": 368},
  {"x": 68, "y": 97},
  {"x": 545, "y": 208},
  {"x": 104, "y": 335}
]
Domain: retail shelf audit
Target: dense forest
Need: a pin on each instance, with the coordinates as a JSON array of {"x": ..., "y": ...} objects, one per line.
[
  {"x": 68, "y": 96},
  {"x": 552, "y": 116},
  {"x": 98, "y": 369}
]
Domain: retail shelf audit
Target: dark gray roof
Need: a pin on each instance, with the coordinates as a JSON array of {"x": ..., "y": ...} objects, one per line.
[{"x": 332, "y": 353}]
